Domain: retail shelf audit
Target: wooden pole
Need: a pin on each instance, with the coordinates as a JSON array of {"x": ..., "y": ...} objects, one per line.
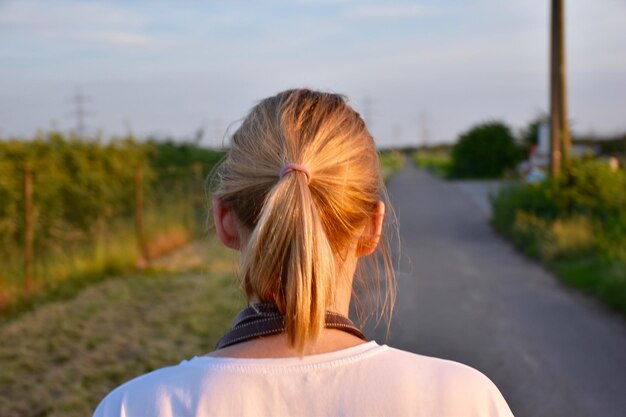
[
  {"x": 564, "y": 124},
  {"x": 559, "y": 129},
  {"x": 139, "y": 224},
  {"x": 29, "y": 232},
  {"x": 198, "y": 194}
]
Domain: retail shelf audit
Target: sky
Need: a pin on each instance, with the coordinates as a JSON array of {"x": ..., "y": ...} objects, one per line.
[{"x": 418, "y": 71}]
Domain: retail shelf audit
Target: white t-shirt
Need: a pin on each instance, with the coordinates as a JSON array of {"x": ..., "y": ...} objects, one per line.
[{"x": 364, "y": 380}]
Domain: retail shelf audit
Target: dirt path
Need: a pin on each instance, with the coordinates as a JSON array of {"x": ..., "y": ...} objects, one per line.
[{"x": 465, "y": 294}]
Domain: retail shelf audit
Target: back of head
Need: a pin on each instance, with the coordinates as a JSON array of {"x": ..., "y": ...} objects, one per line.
[{"x": 301, "y": 225}]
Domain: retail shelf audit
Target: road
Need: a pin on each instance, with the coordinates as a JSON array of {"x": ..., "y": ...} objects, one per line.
[{"x": 466, "y": 294}]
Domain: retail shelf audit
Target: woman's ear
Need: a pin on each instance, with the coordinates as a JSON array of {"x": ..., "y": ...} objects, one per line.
[
  {"x": 225, "y": 224},
  {"x": 372, "y": 231}
]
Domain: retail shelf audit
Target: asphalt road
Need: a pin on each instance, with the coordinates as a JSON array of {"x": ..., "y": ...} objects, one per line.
[{"x": 467, "y": 295}]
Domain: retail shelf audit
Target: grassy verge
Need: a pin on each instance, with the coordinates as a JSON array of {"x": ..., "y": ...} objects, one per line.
[
  {"x": 391, "y": 162},
  {"x": 575, "y": 226},
  {"x": 603, "y": 279},
  {"x": 439, "y": 162},
  {"x": 67, "y": 267},
  {"x": 62, "y": 358}
]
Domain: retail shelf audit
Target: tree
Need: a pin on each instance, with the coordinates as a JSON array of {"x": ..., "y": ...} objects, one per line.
[{"x": 485, "y": 151}]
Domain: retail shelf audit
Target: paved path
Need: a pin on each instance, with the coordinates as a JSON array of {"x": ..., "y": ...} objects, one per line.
[{"x": 467, "y": 295}]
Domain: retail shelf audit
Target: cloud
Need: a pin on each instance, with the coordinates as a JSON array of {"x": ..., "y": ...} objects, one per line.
[
  {"x": 71, "y": 23},
  {"x": 388, "y": 11},
  {"x": 125, "y": 39},
  {"x": 37, "y": 16}
]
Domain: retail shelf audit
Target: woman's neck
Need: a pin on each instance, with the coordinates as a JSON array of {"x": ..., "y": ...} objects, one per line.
[{"x": 277, "y": 346}]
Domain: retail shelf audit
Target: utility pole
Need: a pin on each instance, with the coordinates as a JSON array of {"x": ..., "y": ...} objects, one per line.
[
  {"x": 79, "y": 111},
  {"x": 559, "y": 130}
]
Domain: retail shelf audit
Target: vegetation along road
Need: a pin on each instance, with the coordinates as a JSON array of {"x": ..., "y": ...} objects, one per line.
[
  {"x": 467, "y": 295},
  {"x": 464, "y": 294}
]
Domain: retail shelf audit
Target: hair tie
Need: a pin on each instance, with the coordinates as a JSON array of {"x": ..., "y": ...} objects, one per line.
[{"x": 295, "y": 167}]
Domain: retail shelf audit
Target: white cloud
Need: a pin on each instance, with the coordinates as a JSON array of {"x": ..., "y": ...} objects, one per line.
[
  {"x": 31, "y": 15},
  {"x": 126, "y": 39},
  {"x": 72, "y": 23},
  {"x": 388, "y": 11}
]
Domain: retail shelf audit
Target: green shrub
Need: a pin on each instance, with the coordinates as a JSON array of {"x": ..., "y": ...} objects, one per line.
[
  {"x": 591, "y": 187},
  {"x": 576, "y": 225},
  {"x": 76, "y": 184},
  {"x": 485, "y": 151},
  {"x": 84, "y": 204}
]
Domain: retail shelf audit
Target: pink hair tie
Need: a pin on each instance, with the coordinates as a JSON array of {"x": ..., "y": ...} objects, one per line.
[{"x": 295, "y": 167}]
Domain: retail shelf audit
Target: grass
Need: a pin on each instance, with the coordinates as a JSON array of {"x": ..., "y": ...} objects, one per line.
[
  {"x": 597, "y": 277},
  {"x": 439, "y": 162},
  {"x": 391, "y": 162},
  {"x": 63, "y": 357},
  {"x": 579, "y": 248},
  {"x": 68, "y": 265}
]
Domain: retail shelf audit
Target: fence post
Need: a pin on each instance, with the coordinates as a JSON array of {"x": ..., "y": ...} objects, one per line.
[
  {"x": 29, "y": 235},
  {"x": 198, "y": 196},
  {"x": 139, "y": 225}
]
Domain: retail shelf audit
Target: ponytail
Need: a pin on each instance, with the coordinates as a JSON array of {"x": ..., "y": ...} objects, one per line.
[{"x": 289, "y": 245}]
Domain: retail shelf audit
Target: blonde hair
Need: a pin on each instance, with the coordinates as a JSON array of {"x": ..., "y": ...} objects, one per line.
[{"x": 302, "y": 225}]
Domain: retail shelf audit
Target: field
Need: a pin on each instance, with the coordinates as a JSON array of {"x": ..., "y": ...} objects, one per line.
[
  {"x": 62, "y": 358},
  {"x": 75, "y": 211},
  {"x": 438, "y": 161}
]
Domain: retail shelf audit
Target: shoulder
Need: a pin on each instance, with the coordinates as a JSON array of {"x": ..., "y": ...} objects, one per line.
[
  {"x": 145, "y": 394},
  {"x": 434, "y": 368},
  {"x": 452, "y": 387}
]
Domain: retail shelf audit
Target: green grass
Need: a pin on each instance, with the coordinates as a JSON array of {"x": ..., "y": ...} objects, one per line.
[
  {"x": 584, "y": 250},
  {"x": 580, "y": 265},
  {"x": 66, "y": 268},
  {"x": 63, "y": 357},
  {"x": 391, "y": 162},
  {"x": 437, "y": 162},
  {"x": 596, "y": 277},
  {"x": 111, "y": 251}
]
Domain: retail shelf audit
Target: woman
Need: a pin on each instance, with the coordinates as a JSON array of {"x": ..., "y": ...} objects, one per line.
[{"x": 299, "y": 196}]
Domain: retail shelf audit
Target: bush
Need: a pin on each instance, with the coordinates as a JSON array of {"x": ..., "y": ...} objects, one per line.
[
  {"x": 84, "y": 207},
  {"x": 587, "y": 189},
  {"x": 485, "y": 151},
  {"x": 576, "y": 225}
]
